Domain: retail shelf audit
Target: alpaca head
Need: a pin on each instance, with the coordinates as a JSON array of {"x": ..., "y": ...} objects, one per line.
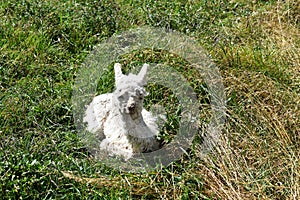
[{"x": 129, "y": 94}]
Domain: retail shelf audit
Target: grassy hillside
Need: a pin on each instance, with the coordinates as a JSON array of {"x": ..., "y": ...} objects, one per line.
[{"x": 256, "y": 45}]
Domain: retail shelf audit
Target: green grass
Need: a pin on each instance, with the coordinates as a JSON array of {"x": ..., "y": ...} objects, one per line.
[{"x": 256, "y": 46}]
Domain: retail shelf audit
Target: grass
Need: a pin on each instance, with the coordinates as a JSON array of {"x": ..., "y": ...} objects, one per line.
[{"x": 256, "y": 46}]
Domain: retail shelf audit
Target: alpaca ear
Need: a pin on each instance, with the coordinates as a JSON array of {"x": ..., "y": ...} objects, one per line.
[
  {"x": 142, "y": 74},
  {"x": 118, "y": 73}
]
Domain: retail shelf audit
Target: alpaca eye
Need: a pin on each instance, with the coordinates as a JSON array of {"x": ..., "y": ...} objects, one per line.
[
  {"x": 121, "y": 97},
  {"x": 138, "y": 92}
]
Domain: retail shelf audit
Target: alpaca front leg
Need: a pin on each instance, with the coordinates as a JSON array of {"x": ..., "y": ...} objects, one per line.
[{"x": 120, "y": 147}]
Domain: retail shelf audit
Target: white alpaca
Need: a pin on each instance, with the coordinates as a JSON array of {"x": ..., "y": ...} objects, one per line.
[{"x": 120, "y": 119}]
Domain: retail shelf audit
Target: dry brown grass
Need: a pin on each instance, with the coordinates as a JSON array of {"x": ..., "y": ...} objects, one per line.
[{"x": 258, "y": 157}]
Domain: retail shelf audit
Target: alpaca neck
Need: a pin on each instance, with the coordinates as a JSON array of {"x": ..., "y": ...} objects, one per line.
[{"x": 125, "y": 124}]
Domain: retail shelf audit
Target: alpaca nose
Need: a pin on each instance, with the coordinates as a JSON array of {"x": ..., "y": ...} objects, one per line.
[{"x": 132, "y": 105}]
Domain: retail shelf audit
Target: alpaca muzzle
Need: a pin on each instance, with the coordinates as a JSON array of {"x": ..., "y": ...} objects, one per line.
[{"x": 131, "y": 107}]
